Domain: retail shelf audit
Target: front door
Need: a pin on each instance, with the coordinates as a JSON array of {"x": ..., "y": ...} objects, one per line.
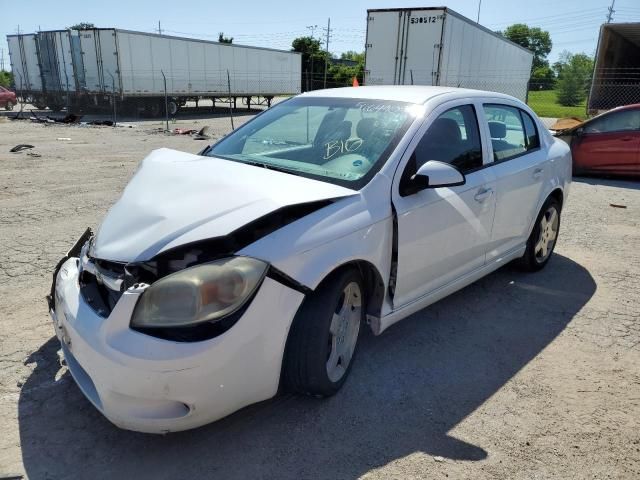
[{"x": 443, "y": 232}]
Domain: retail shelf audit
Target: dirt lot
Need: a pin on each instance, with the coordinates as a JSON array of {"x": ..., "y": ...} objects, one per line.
[{"x": 517, "y": 376}]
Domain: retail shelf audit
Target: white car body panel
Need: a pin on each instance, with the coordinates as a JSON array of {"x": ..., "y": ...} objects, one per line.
[
  {"x": 142, "y": 223},
  {"x": 150, "y": 385},
  {"x": 447, "y": 238}
]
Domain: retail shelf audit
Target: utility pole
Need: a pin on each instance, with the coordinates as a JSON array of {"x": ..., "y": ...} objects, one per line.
[
  {"x": 326, "y": 58},
  {"x": 611, "y": 11},
  {"x": 159, "y": 28},
  {"x": 479, "y": 5},
  {"x": 310, "y": 82},
  {"x": 1, "y": 58}
]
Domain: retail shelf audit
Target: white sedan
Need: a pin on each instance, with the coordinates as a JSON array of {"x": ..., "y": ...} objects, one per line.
[{"x": 218, "y": 278}]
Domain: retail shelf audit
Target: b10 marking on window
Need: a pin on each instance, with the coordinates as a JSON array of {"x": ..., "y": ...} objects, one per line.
[{"x": 424, "y": 19}]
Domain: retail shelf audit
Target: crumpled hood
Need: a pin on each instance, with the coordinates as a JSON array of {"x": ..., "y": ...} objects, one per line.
[{"x": 176, "y": 198}]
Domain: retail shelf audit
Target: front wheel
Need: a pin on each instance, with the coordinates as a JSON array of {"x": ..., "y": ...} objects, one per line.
[
  {"x": 543, "y": 238},
  {"x": 9, "y": 105},
  {"x": 324, "y": 336}
]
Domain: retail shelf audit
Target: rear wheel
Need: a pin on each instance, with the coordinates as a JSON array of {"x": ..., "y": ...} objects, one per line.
[
  {"x": 9, "y": 105},
  {"x": 542, "y": 240},
  {"x": 324, "y": 336}
]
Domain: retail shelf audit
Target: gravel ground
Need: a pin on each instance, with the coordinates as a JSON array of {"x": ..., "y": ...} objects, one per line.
[{"x": 518, "y": 376}]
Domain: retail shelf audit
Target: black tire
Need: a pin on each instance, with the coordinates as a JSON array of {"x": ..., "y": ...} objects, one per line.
[
  {"x": 9, "y": 105},
  {"x": 531, "y": 261},
  {"x": 309, "y": 344},
  {"x": 172, "y": 107}
]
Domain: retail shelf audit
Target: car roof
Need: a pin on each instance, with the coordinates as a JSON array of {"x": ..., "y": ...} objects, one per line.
[
  {"x": 402, "y": 93},
  {"x": 625, "y": 107}
]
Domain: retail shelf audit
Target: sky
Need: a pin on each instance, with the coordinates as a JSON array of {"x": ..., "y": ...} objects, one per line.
[{"x": 573, "y": 24}]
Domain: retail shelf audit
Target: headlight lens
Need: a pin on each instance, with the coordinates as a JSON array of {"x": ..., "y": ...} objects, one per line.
[{"x": 203, "y": 293}]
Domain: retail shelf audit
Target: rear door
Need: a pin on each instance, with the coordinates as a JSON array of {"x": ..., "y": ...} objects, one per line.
[
  {"x": 519, "y": 164},
  {"x": 610, "y": 143}
]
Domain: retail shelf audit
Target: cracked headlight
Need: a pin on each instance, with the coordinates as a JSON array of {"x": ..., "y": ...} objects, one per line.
[{"x": 204, "y": 293}]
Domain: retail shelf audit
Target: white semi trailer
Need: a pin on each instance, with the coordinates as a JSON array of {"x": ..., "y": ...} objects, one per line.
[
  {"x": 96, "y": 66},
  {"x": 25, "y": 64},
  {"x": 437, "y": 46}
]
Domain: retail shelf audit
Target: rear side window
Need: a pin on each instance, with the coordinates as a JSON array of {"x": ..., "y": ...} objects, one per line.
[
  {"x": 533, "y": 140},
  {"x": 452, "y": 138}
]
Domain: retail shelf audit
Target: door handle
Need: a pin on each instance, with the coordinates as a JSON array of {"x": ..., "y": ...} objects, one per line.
[
  {"x": 483, "y": 194},
  {"x": 537, "y": 173},
  {"x": 626, "y": 139}
]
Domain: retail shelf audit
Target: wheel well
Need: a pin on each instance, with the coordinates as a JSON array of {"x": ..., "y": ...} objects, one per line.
[
  {"x": 557, "y": 194},
  {"x": 373, "y": 284}
]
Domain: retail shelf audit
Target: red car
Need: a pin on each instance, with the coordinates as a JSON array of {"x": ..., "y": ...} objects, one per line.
[
  {"x": 608, "y": 143},
  {"x": 7, "y": 98}
]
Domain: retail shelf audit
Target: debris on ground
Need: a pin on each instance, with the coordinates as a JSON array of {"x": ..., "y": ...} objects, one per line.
[
  {"x": 615, "y": 205},
  {"x": 566, "y": 123},
  {"x": 439, "y": 459},
  {"x": 21, "y": 147},
  {"x": 63, "y": 138},
  {"x": 184, "y": 131},
  {"x": 106, "y": 123},
  {"x": 203, "y": 134},
  {"x": 33, "y": 154}
]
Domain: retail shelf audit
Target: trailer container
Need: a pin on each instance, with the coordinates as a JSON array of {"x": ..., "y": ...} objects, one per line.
[
  {"x": 437, "y": 46},
  {"x": 616, "y": 76},
  {"x": 25, "y": 64},
  {"x": 99, "y": 66}
]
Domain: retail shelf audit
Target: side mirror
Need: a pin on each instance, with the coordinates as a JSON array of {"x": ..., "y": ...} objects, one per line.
[
  {"x": 440, "y": 174},
  {"x": 579, "y": 132},
  {"x": 433, "y": 174}
]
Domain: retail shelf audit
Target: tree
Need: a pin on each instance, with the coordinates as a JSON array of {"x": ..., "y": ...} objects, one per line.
[
  {"x": 82, "y": 26},
  {"x": 313, "y": 60},
  {"x": 542, "y": 78},
  {"x": 223, "y": 39},
  {"x": 574, "y": 77},
  {"x": 532, "y": 38},
  {"x": 342, "y": 74},
  {"x": 6, "y": 78}
]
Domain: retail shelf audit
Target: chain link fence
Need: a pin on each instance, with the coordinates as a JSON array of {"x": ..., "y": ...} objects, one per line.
[{"x": 614, "y": 87}]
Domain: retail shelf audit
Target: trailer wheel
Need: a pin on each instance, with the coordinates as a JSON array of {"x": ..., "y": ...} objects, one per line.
[
  {"x": 172, "y": 107},
  {"x": 153, "y": 108}
]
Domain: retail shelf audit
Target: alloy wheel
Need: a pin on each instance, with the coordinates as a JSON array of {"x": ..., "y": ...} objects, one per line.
[{"x": 344, "y": 329}]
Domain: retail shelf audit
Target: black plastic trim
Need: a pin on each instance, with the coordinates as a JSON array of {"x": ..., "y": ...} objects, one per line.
[
  {"x": 74, "y": 251},
  {"x": 281, "y": 277}
]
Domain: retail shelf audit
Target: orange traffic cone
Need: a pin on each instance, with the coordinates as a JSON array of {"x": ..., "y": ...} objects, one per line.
[{"x": 355, "y": 82}]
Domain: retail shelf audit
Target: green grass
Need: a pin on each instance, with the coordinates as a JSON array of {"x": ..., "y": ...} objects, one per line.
[{"x": 545, "y": 104}]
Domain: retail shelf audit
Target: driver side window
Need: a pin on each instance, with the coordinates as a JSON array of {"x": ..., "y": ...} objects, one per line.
[{"x": 452, "y": 138}]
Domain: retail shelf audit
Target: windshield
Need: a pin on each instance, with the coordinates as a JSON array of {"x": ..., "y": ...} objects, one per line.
[{"x": 338, "y": 140}]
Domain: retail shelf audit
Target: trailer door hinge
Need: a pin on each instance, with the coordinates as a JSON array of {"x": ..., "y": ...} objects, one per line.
[{"x": 437, "y": 45}]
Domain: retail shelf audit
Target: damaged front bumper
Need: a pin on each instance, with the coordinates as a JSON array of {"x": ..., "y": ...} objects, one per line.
[{"x": 153, "y": 385}]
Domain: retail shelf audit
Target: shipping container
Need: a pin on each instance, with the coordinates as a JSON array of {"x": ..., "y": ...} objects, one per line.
[
  {"x": 437, "y": 46},
  {"x": 616, "y": 76},
  {"x": 99, "y": 66}
]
